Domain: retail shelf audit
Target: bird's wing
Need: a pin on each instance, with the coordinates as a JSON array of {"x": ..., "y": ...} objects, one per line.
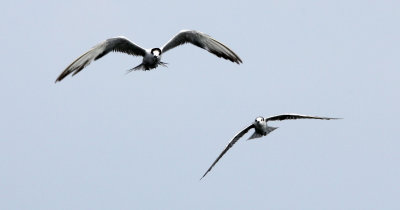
[
  {"x": 297, "y": 116},
  {"x": 231, "y": 143},
  {"x": 117, "y": 44},
  {"x": 204, "y": 41}
]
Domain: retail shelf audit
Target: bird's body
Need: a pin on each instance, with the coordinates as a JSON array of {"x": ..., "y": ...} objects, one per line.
[
  {"x": 151, "y": 60},
  {"x": 261, "y": 129},
  {"x": 151, "y": 57}
]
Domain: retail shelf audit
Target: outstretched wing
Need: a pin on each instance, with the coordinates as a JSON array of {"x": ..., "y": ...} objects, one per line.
[
  {"x": 117, "y": 44},
  {"x": 297, "y": 116},
  {"x": 231, "y": 143},
  {"x": 203, "y": 41}
]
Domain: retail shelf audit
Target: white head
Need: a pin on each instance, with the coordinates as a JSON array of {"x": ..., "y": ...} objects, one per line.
[
  {"x": 156, "y": 52},
  {"x": 259, "y": 120}
]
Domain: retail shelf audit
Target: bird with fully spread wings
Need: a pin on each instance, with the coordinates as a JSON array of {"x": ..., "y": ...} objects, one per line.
[
  {"x": 262, "y": 129},
  {"x": 151, "y": 57}
]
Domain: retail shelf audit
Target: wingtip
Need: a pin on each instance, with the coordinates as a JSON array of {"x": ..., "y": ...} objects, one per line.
[
  {"x": 58, "y": 79},
  {"x": 336, "y": 118},
  {"x": 238, "y": 61},
  {"x": 202, "y": 176},
  {"x": 61, "y": 77},
  {"x": 205, "y": 174},
  {"x": 331, "y": 118}
]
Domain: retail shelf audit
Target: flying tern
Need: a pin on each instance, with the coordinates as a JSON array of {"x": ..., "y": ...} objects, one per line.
[
  {"x": 262, "y": 129},
  {"x": 151, "y": 57}
]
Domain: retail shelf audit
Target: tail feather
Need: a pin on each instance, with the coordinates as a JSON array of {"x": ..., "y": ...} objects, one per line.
[
  {"x": 255, "y": 135},
  {"x": 258, "y": 135},
  {"x": 139, "y": 67}
]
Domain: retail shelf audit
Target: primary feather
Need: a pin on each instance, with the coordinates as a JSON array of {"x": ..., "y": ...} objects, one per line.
[
  {"x": 203, "y": 41},
  {"x": 230, "y": 144},
  {"x": 117, "y": 44},
  {"x": 296, "y": 116}
]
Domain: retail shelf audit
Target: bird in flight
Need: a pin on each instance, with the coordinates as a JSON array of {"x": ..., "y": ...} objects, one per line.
[
  {"x": 262, "y": 129},
  {"x": 151, "y": 57}
]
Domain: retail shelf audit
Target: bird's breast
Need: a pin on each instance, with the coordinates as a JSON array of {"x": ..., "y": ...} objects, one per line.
[
  {"x": 148, "y": 58},
  {"x": 261, "y": 126}
]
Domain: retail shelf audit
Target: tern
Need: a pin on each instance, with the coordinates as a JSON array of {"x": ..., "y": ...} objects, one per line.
[
  {"x": 262, "y": 129},
  {"x": 151, "y": 57}
]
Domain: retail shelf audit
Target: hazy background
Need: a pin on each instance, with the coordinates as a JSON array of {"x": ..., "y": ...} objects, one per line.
[{"x": 107, "y": 140}]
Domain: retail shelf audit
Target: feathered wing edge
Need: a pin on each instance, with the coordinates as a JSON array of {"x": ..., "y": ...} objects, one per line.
[
  {"x": 204, "y": 41},
  {"x": 117, "y": 44},
  {"x": 230, "y": 144},
  {"x": 297, "y": 116},
  {"x": 76, "y": 66}
]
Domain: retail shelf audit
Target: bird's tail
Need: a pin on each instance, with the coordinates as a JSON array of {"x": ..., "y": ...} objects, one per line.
[
  {"x": 258, "y": 135},
  {"x": 139, "y": 67}
]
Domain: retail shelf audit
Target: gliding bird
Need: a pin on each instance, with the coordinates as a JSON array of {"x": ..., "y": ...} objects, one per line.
[
  {"x": 262, "y": 129},
  {"x": 151, "y": 57}
]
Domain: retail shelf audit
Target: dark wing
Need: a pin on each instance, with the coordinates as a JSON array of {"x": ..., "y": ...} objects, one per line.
[
  {"x": 297, "y": 116},
  {"x": 203, "y": 41},
  {"x": 117, "y": 44},
  {"x": 231, "y": 143}
]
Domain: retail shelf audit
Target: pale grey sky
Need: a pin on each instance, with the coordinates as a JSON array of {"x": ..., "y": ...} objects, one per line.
[{"x": 107, "y": 140}]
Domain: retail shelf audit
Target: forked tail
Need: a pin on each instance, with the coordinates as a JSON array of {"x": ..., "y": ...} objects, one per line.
[
  {"x": 139, "y": 67},
  {"x": 144, "y": 68},
  {"x": 258, "y": 135}
]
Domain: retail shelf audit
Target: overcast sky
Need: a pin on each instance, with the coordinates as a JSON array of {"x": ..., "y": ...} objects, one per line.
[{"x": 104, "y": 139}]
